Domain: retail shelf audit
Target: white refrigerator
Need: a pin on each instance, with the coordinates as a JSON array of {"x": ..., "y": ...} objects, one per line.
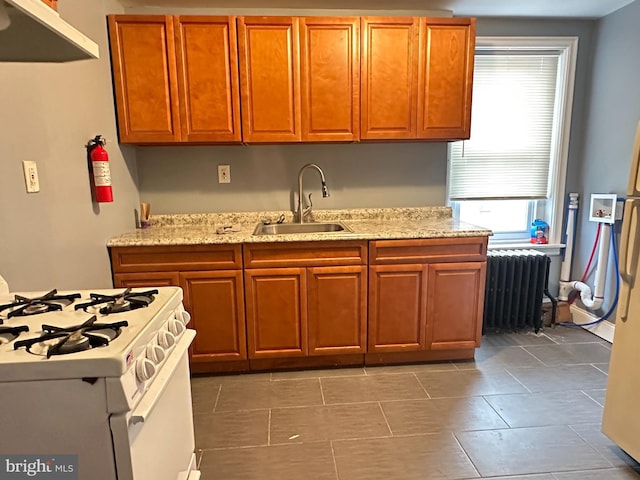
[{"x": 621, "y": 421}]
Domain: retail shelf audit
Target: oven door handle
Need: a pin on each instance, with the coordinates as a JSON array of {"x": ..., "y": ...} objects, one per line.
[{"x": 144, "y": 409}]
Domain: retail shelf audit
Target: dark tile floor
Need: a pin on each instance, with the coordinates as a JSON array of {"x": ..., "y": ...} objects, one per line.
[{"x": 528, "y": 407}]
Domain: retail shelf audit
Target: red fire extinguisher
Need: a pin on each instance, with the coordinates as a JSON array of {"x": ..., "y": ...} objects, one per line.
[{"x": 99, "y": 159}]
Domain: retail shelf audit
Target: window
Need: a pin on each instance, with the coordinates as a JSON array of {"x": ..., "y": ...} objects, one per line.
[{"x": 512, "y": 169}]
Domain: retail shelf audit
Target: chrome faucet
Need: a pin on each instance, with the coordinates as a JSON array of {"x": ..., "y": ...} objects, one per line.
[{"x": 325, "y": 191}]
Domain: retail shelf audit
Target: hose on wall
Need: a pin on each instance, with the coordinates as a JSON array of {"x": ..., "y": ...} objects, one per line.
[{"x": 615, "y": 299}]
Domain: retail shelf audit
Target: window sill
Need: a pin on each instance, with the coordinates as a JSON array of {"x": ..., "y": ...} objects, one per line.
[{"x": 551, "y": 249}]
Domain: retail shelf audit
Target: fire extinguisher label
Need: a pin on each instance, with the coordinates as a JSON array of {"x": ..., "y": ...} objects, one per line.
[{"x": 101, "y": 174}]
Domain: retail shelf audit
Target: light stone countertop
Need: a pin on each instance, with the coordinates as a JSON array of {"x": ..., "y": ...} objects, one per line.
[{"x": 367, "y": 224}]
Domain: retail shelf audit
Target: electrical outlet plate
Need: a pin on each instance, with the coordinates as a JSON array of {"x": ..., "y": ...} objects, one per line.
[
  {"x": 31, "y": 176},
  {"x": 224, "y": 174}
]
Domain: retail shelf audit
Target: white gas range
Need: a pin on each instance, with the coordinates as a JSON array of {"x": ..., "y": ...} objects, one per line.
[{"x": 103, "y": 375}]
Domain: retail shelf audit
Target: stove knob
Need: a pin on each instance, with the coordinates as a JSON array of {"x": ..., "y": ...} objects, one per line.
[
  {"x": 166, "y": 339},
  {"x": 176, "y": 327},
  {"x": 155, "y": 353},
  {"x": 145, "y": 369},
  {"x": 183, "y": 316}
]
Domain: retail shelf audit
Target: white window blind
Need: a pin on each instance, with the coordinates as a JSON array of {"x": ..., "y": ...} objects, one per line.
[{"x": 509, "y": 153}]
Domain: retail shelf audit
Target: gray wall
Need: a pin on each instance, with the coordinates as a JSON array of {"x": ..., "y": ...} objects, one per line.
[
  {"x": 612, "y": 113},
  {"x": 264, "y": 177},
  {"x": 56, "y": 238}
]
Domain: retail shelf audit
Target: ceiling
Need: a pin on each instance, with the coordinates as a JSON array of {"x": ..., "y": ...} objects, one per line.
[{"x": 475, "y": 8}]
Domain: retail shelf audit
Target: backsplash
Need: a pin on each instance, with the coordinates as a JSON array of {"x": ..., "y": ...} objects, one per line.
[{"x": 264, "y": 177}]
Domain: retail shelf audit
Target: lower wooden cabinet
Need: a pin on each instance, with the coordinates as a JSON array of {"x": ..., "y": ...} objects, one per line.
[
  {"x": 215, "y": 300},
  {"x": 455, "y": 293},
  {"x": 320, "y": 303},
  {"x": 276, "y": 312},
  {"x": 426, "y": 295},
  {"x": 211, "y": 279},
  {"x": 306, "y": 311},
  {"x": 337, "y": 310},
  {"x": 309, "y": 300},
  {"x": 397, "y": 308}
]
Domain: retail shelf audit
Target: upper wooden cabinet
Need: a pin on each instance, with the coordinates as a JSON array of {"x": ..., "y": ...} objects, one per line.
[
  {"x": 208, "y": 79},
  {"x": 330, "y": 78},
  {"x": 389, "y": 77},
  {"x": 199, "y": 79},
  {"x": 176, "y": 79},
  {"x": 144, "y": 74},
  {"x": 270, "y": 79},
  {"x": 417, "y": 75},
  {"x": 300, "y": 78},
  {"x": 446, "y": 76}
]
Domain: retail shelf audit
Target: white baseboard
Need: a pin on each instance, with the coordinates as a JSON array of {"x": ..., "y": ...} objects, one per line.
[{"x": 603, "y": 329}]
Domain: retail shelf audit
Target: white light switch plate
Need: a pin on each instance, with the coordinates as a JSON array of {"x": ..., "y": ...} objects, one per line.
[{"x": 31, "y": 176}]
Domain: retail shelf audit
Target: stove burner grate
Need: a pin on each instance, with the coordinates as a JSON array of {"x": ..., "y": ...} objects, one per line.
[
  {"x": 8, "y": 334},
  {"x": 122, "y": 302},
  {"x": 60, "y": 341},
  {"x": 49, "y": 302}
]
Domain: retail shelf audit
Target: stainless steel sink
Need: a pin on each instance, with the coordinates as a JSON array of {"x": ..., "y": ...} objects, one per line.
[{"x": 294, "y": 228}]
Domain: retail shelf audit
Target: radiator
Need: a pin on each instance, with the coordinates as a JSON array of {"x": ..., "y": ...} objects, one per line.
[{"x": 516, "y": 282}]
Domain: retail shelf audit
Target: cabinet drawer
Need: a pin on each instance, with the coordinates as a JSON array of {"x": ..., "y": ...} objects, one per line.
[
  {"x": 176, "y": 258},
  {"x": 305, "y": 254},
  {"x": 473, "y": 249}
]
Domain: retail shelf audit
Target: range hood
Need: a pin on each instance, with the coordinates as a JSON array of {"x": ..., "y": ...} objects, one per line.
[{"x": 38, "y": 34}]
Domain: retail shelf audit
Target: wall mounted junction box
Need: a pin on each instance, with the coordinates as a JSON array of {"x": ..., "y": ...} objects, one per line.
[{"x": 603, "y": 208}]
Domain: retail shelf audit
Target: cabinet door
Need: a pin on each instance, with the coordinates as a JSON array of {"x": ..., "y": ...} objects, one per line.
[
  {"x": 389, "y": 77},
  {"x": 330, "y": 78},
  {"x": 146, "y": 279},
  {"x": 215, "y": 301},
  {"x": 144, "y": 74},
  {"x": 276, "y": 312},
  {"x": 454, "y": 309},
  {"x": 337, "y": 305},
  {"x": 208, "y": 79},
  {"x": 269, "y": 79},
  {"x": 397, "y": 308},
  {"x": 446, "y": 77}
]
